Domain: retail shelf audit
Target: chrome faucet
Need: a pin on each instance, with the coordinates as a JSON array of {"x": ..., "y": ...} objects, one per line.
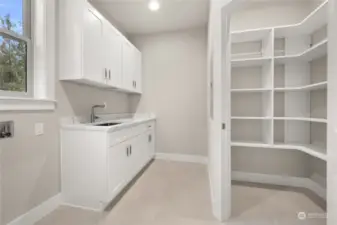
[{"x": 93, "y": 116}]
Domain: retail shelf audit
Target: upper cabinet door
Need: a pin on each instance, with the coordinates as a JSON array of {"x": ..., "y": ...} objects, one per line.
[
  {"x": 138, "y": 71},
  {"x": 113, "y": 55},
  {"x": 128, "y": 66},
  {"x": 93, "y": 68}
]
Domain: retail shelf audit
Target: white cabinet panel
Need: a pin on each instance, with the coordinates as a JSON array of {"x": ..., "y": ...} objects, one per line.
[
  {"x": 138, "y": 71},
  {"x": 132, "y": 68},
  {"x": 151, "y": 143},
  {"x": 92, "y": 57},
  {"x": 128, "y": 67},
  {"x": 113, "y": 56},
  {"x": 117, "y": 171}
]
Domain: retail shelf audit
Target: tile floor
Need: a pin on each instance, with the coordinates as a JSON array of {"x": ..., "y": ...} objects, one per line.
[{"x": 171, "y": 193}]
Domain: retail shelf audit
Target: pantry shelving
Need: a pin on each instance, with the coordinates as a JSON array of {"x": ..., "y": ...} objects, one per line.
[
  {"x": 279, "y": 88},
  {"x": 315, "y": 52},
  {"x": 310, "y": 87}
]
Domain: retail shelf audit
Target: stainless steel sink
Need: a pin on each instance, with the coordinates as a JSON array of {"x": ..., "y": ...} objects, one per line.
[{"x": 106, "y": 124}]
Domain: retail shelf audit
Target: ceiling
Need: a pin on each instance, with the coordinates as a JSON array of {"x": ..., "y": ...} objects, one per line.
[{"x": 134, "y": 17}]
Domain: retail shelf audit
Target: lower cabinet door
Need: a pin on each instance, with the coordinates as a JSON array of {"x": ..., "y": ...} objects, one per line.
[
  {"x": 151, "y": 144},
  {"x": 138, "y": 156},
  {"x": 118, "y": 168}
]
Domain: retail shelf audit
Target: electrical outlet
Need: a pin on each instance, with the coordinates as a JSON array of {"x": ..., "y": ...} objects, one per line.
[{"x": 39, "y": 129}]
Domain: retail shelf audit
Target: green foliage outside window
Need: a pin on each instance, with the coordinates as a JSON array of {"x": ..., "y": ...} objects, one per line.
[{"x": 13, "y": 58}]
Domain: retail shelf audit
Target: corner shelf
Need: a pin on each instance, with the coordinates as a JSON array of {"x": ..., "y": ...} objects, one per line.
[
  {"x": 308, "y": 149},
  {"x": 317, "y": 120},
  {"x": 310, "y": 87},
  {"x": 315, "y": 52}
]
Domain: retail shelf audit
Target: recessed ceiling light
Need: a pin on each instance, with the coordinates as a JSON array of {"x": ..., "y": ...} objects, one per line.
[{"x": 154, "y": 5}]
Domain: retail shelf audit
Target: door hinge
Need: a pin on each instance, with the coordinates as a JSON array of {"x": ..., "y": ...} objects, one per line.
[{"x": 224, "y": 126}]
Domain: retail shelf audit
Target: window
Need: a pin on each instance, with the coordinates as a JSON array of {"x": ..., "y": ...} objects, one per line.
[
  {"x": 15, "y": 48},
  {"x": 27, "y": 55}
]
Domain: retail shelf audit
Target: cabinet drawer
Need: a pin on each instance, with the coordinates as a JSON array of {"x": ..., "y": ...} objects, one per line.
[
  {"x": 126, "y": 134},
  {"x": 118, "y": 137}
]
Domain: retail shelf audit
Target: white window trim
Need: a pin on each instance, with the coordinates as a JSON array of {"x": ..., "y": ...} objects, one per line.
[{"x": 43, "y": 71}]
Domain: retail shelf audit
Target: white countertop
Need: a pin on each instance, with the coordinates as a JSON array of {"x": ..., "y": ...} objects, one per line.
[{"x": 125, "y": 123}]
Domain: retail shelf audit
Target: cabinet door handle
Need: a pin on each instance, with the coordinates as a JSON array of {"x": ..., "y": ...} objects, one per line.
[
  {"x": 150, "y": 138},
  {"x": 106, "y": 73},
  {"x": 130, "y": 149},
  {"x": 109, "y": 74},
  {"x": 127, "y": 151}
]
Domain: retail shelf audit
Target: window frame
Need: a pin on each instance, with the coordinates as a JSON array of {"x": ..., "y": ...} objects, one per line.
[
  {"x": 41, "y": 65},
  {"x": 27, "y": 6},
  {"x": 29, "y": 78}
]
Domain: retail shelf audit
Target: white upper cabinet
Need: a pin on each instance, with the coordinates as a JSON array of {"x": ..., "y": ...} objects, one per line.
[
  {"x": 94, "y": 52},
  {"x": 132, "y": 68},
  {"x": 138, "y": 71},
  {"x": 113, "y": 56},
  {"x": 128, "y": 66}
]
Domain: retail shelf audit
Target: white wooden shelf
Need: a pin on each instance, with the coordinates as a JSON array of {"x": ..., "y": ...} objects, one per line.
[
  {"x": 277, "y": 61},
  {"x": 250, "y": 144},
  {"x": 315, "y": 52},
  {"x": 250, "y": 35},
  {"x": 310, "y": 87},
  {"x": 249, "y": 62},
  {"x": 312, "y": 150},
  {"x": 246, "y": 55},
  {"x": 315, "y": 20},
  {"x": 250, "y": 118},
  {"x": 318, "y": 120},
  {"x": 251, "y": 90}
]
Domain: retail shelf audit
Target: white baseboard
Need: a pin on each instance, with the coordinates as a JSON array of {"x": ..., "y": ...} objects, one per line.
[
  {"x": 182, "y": 158},
  {"x": 298, "y": 182},
  {"x": 81, "y": 207},
  {"x": 37, "y": 213}
]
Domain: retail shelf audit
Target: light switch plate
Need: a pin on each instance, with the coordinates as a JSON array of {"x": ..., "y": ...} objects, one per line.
[{"x": 39, "y": 129}]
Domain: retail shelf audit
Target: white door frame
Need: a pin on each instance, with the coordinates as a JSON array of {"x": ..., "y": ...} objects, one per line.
[{"x": 332, "y": 115}]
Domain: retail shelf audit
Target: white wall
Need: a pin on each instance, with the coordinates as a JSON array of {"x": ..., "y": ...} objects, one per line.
[{"x": 174, "y": 88}]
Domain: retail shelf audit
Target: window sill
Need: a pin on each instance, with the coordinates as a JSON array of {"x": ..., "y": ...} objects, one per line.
[{"x": 26, "y": 104}]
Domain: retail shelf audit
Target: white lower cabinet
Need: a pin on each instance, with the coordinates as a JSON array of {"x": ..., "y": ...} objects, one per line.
[
  {"x": 97, "y": 165},
  {"x": 117, "y": 168}
]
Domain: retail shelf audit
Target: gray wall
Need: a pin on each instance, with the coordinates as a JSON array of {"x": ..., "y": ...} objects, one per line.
[
  {"x": 30, "y": 170},
  {"x": 262, "y": 14},
  {"x": 29, "y": 164},
  {"x": 174, "y": 88}
]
